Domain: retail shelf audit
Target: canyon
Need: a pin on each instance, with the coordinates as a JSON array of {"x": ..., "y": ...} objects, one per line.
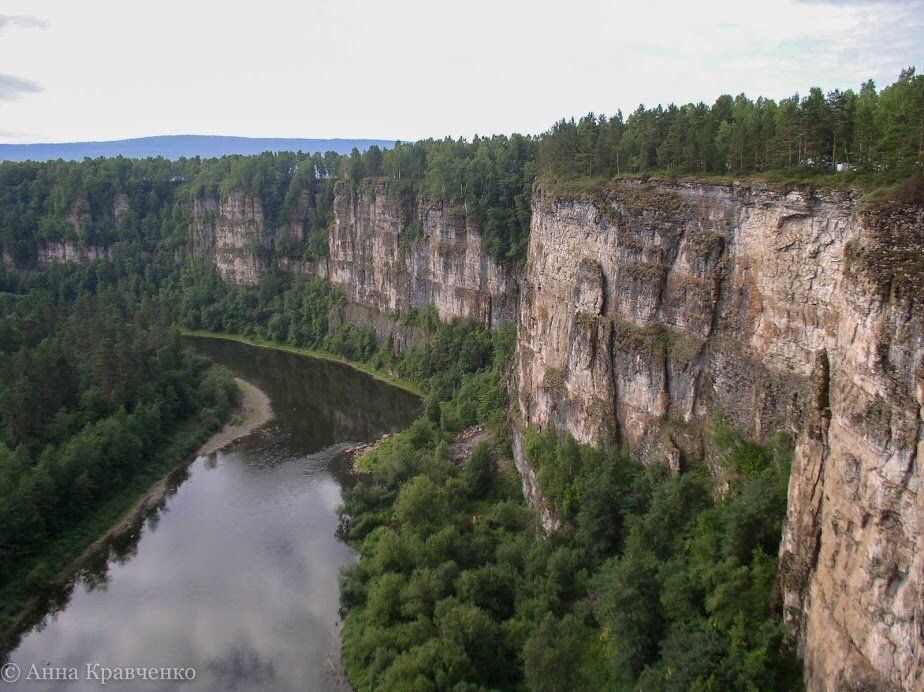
[{"x": 643, "y": 310}]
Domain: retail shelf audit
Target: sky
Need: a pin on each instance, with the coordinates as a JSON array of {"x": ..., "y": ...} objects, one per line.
[{"x": 411, "y": 69}]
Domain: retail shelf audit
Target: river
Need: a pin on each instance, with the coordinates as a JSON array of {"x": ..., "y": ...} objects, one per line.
[{"x": 235, "y": 575}]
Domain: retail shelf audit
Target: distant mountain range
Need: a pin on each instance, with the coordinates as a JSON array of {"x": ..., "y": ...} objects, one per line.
[{"x": 177, "y": 146}]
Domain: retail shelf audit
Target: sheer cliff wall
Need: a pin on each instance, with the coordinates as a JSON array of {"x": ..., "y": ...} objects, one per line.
[
  {"x": 383, "y": 254},
  {"x": 645, "y": 308}
]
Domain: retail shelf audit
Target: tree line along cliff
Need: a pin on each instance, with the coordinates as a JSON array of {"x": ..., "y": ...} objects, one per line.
[{"x": 875, "y": 135}]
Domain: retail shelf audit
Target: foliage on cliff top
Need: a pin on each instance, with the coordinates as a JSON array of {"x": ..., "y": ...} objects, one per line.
[
  {"x": 877, "y": 135},
  {"x": 878, "y": 132},
  {"x": 82, "y": 202},
  {"x": 595, "y": 187},
  {"x": 147, "y": 204},
  {"x": 490, "y": 176}
]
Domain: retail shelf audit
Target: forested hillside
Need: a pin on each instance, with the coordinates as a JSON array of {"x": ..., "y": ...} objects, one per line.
[
  {"x": 145, "y": 205},
  {"x": 95, "y": 393},
  {"x": 653, "y": 583},
  {"x": 875, "y": 137}
]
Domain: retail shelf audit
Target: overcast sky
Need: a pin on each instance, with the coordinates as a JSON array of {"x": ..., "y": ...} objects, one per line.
[{"x": 408, "y": 69}]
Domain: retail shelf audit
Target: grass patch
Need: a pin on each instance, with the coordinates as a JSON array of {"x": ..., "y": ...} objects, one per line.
[{"x": 880, "y": 183}]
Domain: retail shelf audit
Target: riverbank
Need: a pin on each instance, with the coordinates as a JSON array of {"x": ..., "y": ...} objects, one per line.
[
  {"x": 375, "y": 374},
  {"x": 253, "y": 412},
  {"x": 359, "y": 451}
]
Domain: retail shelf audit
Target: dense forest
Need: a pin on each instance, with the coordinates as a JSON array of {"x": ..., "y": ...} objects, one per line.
[
  {"x": 145, "y": 206},
  {"x": 655, "y": 583},
  {"x": 865, "y": 132}
]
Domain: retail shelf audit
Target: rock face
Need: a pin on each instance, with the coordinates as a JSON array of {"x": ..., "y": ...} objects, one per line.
[
  {"x": 386, "y": 253},
  {"x": 646, "y": 308},
  {"x": 71, "y": 253},
  {"x": 73, "y": 248},
  {"x": 852, "y": 557},
  {"x": 394, "y": 257},
  {"x": 230, "y": 231}
]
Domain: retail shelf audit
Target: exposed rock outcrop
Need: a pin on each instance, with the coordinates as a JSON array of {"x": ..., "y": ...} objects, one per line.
[
  {"x": 852, "y": 557},
  {"x": 395, "y": 257},
  {"x": 646, "y": 308},
  {"x": 641, "y": 311},
  {"x": 386, "y": 253},
  {"x": 71, "y": 253},
  {"x": 74, "y": 245},
  {"x": 230, "y": 231}
]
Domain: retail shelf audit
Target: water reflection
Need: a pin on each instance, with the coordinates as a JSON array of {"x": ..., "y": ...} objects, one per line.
[
  {"x": 236, "y": 575},
  {"x": 316, "y": 402}
]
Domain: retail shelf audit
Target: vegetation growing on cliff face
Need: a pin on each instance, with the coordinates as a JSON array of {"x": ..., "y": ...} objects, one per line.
[
  {"x": 892, "y": 257},
  {"x": 870, "y": 132}
]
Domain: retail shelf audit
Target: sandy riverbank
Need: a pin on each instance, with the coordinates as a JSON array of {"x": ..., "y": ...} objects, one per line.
[{"x": 254, "y": 411}]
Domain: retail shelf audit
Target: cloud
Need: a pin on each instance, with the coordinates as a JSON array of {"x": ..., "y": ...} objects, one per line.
[
  {"x": 11, "y": 88},
  {"x": 13, "y": 135},
  {"x": 23, "y": 21}
]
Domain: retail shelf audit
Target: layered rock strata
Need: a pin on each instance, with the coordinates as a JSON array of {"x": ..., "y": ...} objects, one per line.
[
  {"x": 394, "y": 260},
  {"x": 644, "y": 309}
]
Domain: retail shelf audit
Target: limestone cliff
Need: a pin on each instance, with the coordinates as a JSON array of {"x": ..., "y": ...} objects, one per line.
[
  {"x": 642, "y": 310},
  {"x": 72, "y": 253},
  {"x": 393, "y": 259},
  {"x": 75, "y": 245},
  {"x": 231, "y": 232},
  {"x": 645, "y": 308},
  {"x": 385, "y": 253}
]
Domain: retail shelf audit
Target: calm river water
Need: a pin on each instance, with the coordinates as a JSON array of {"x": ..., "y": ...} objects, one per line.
[{"x": 236, "y": 575}]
